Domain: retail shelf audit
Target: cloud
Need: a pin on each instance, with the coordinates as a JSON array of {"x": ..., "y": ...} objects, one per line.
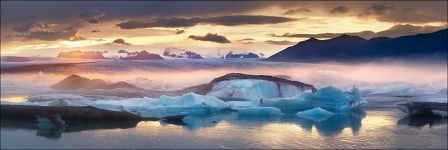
[
  {"x": 179, "y": 31},
  {"x": 92, "y": 16},
  {"x": 120, "y": 42},
  {"x": 26, "y": 27},
  {"x": 246, "y": 19},
  {"x": 13, "y": 12},
  {"x": 95, "y": 31},
  {"x": 246, "y": 41},
  {"x": 297, "y": 10},
  {"x": 394, "y": 31},
  {"x": 396, "y": 14},
  {"x": 211, "y": 38},
  {"x": 189, "y": 22},
  {"x": 377, "y": 9},
  {"x": 47, "y": 32},
  {"x": 64, "y": 34},
  {"x": 284, "y": 42},
  {"x": 340, "y": 9}
]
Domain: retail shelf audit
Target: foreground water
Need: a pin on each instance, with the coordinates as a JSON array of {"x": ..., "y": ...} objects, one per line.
[{"x": 371, "y": 128}]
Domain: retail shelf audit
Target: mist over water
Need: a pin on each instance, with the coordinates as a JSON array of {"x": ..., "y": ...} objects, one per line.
[{"x": 177, "y": 75}]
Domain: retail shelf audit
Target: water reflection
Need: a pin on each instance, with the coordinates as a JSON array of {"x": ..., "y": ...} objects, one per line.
[
  {"x": 55, "y": 132},
  {"x": 329, "y": 127},
  {"x": 420, "y": 121}
]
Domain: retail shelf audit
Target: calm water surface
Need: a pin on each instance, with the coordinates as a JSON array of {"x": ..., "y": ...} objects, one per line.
[{"x": 371, "y": 128}]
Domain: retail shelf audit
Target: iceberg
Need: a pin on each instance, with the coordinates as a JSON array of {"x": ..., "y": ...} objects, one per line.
[
  {"x": 240, "y": 104},
  {"x": 316, "y": 114},
  {"x": 259, "y": 111},
  {"x": 292, "y": 104},
  {"x": 253, "y": 89},
  {"x": 333, "y": 99},
  {"x": 395, "y": 89},
  {"x": 190, "y": 103}
]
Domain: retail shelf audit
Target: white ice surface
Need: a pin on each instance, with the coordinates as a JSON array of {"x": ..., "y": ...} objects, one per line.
[{"x": 252, "y": 89}]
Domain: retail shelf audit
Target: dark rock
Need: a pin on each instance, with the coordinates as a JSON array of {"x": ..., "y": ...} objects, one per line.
[
  {"x": 424, "y": 108},
  {"x": 420, "y": 121},
  {"x": 67, "y": 113},
  {"x": 55, "y": 132},
  {"x": 175, "y": 119}
]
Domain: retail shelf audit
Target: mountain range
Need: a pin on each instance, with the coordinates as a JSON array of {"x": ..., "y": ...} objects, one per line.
[{"x": 347, "y": 48}]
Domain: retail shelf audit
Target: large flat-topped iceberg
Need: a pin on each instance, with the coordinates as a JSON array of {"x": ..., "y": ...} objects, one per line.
[{"x": 251, "y": 87}]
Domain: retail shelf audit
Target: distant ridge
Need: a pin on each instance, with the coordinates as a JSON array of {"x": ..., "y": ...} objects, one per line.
[{"x": 347, "y": 48}]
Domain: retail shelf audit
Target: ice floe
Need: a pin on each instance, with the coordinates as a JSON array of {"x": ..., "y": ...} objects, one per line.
[
  {"x": 316, "y": 114},
  {"x": 259, "y": 111}
]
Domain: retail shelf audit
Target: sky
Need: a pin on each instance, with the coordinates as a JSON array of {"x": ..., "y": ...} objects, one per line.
[{"x": 30, "y": 28}]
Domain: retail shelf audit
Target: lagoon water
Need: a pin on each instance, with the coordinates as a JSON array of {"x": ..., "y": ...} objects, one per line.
[{"x": 371, "y": 128}]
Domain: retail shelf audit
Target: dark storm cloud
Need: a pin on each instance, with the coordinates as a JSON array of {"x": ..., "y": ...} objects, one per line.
[
  {"x": 120, "y": 42},
  {"x": 26, "y": 27},
  {"x": 189, "y": 22},
  {"x": 210, "y": 37},
  {"x": 65, "y": 34},
  {"x": 340, "y": 9},
  {"x": 16, "y": 12},
  {"x": 45, "y": 32},
  {"x": 377, "y": 9},
  {"x": 394, "y": 31},
  {"x": 92, "y": 16},
  {"x": 397, "y": 14},
  {"x": 284, "y": 42},
  {"x": 246, "y": 19},
  {"x": 297, "y": 10}
]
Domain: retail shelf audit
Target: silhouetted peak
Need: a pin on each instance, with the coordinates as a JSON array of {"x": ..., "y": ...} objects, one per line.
[
  {"x": 312, "y": 39},
  {"x": 351, "y": 37}
]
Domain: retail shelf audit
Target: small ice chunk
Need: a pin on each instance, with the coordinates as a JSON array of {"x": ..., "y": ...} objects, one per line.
[
  {"x": 396, "y": 89},
  {"x": 259, "y": 111},
  {"x": 240, "y": 104},
  {"x": 55, "y": 96},
  {"x": 441, "y": 113},
  {"x": 317, "y": 114}
]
